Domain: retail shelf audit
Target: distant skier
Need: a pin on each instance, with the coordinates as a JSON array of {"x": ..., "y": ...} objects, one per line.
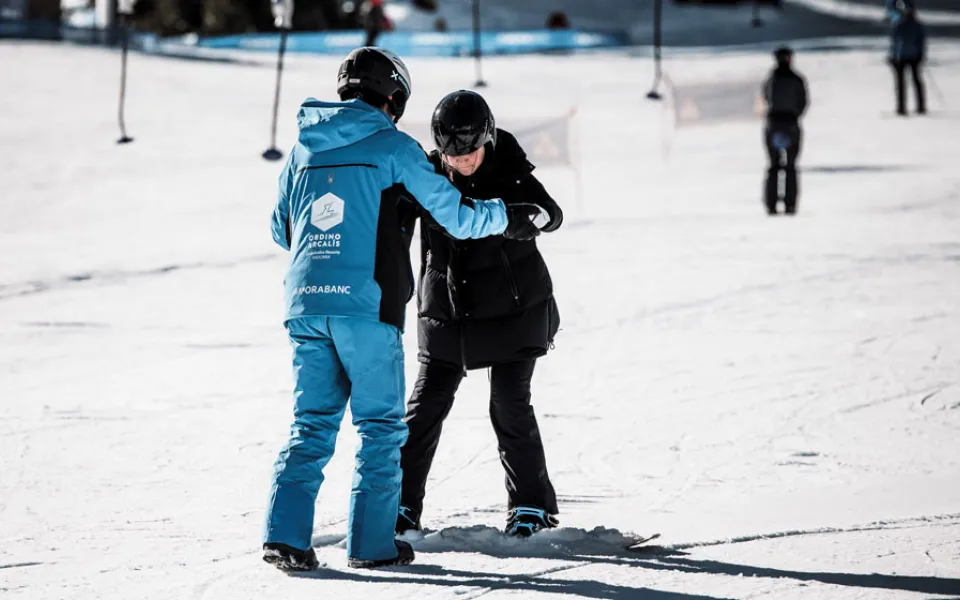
[
  {"x": 375, "y": 22},
  {"x": 785, "y": 92},
  {"x": 908, "y": 48},
  {"x": 483, "y": 303},
  {"x": 346, "y": 289}
]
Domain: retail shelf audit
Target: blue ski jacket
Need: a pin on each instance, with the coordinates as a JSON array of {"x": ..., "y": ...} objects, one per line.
[{"x": 340, "y": 211}]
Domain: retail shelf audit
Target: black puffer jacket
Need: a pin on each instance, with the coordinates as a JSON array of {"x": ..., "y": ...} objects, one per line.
[{"x": 487, "y": 301}]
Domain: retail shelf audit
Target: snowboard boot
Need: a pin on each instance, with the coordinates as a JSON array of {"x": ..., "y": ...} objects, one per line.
[
  {"x": 288, "y": 558},
  {"x": 524, "y": 521},
  {"x": 407, "y": 521},
  {"x": 404, "y": 557}
]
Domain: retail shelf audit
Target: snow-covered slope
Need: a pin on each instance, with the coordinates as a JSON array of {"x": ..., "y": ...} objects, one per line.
[{"x": 779, "y": 398}]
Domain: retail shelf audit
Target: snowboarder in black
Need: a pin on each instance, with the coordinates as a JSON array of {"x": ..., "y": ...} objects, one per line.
[
  {"x": 485, "y": 303},
  {"x": 908, "y": 48},
  {"x": 785, "y": 92}
]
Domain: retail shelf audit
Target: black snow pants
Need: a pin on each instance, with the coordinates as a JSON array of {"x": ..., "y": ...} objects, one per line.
[
  {"x": 518, "y": 437},
  {"x": 783, "y": 139},
  {"x": 899, "y": 72}
]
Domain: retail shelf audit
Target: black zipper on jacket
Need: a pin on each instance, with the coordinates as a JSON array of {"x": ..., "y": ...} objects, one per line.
[
  {"x": 309, "y": 167},
  {"x": 513, "y": 282},
  {"x": 454, "y": 262}
]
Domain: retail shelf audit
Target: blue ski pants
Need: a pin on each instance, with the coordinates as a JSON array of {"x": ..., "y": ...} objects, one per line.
[{"x": 336, "y": 359}]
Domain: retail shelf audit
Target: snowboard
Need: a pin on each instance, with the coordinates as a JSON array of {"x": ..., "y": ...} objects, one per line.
[{"x": 640, "y": 545}]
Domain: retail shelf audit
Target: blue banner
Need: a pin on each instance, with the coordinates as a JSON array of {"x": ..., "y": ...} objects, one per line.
[
  {"x": 337, "y": 43},
  {"x": 407, "y": 43}
]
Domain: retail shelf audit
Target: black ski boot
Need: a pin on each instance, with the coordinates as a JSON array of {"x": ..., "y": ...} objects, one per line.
[
  {"x": 407, "y": 520},
  {"x": 524, "y": 521},
  {"x": 404, "y": 557},
  {"x": 288, "y": 558}
]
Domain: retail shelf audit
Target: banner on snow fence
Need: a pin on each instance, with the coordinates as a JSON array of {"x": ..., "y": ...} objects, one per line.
[
  {"x": 408, "y": 43},
  {"x": 337, "y": 43}
]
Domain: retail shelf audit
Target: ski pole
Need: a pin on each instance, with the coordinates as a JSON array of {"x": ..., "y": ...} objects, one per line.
[
  {"x": 125, "y": 9},
  {"x": 283, "y": 14},
  {"x": 936, "y": 89}
]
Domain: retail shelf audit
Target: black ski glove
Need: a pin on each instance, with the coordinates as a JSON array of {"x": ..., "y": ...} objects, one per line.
[
  {"x": 553, "y": 212},
  {"x": 530, "y": 191},
  {"x": 519, "y": 226}
]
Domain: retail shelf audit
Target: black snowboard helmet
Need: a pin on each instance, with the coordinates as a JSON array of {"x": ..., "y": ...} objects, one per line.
[
  {"x": 462, "y": 123},
  {"x": 376, "y": 76}
]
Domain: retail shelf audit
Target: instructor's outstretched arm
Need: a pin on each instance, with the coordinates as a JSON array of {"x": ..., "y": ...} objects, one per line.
[{"x": 462, "y": 217}]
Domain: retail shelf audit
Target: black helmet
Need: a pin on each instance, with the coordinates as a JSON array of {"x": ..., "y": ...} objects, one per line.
[
  {"x": 462, "y": 123},
  {"x": 783, "y": 54},
  {"x": 375, "y": 75}
]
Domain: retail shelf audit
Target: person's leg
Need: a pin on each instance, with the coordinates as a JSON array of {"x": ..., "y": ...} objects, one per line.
[
  {"x": 372, "y": 356},
  {"x": 518, "y": 437},
  {"x": 898, "y": 68},
  {"x": 429, "y": 405},
  {"x": 771, "y": 192},
  {"x": 320, "y": 397},
  {"x": 791, "y": 186},
  {"x": 915, "y": 70}
]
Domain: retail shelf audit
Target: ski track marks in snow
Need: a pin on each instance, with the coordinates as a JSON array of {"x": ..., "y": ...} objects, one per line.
[
  {"x": 926, "y": 521},
  {"x": 26, "y": 288},
  {"x": 579, "y": 548}
]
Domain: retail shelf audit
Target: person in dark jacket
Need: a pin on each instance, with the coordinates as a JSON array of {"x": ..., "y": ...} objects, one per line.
[
  {"x": 375, "y": 21},
  {"x": 908, "y": 48},
  {"x": 785, "y": 92},
  {"x": 483, "y": 304}
]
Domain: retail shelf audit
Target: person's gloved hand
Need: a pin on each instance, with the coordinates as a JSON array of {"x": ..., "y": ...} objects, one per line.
[
  {"x": 530, "y": 191},
  {"x": 554, "y": 214},
  {"x": 519, "y": 225}
]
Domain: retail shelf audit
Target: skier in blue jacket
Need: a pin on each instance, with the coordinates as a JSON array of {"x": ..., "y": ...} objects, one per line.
[{"x": 342, "y": 208}]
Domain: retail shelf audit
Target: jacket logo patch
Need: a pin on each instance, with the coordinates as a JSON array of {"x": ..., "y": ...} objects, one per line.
[{"x": 326, "y": 212}]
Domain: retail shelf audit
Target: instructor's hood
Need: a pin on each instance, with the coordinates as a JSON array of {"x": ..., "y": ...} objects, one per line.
[{"x": 330, "y": 125}]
